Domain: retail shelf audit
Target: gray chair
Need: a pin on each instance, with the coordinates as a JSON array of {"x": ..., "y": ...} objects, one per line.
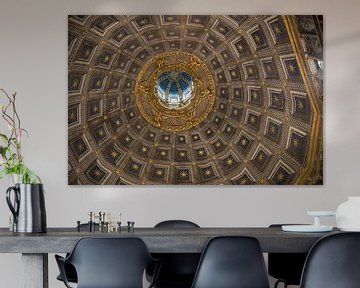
[
  {"x": 333, "y": 262},
  {"x": 232, "y": 262},
  {"x": 108, "y": 263}
]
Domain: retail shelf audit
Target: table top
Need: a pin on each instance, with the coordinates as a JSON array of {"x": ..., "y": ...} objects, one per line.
[{"x": 158, "y": 240}]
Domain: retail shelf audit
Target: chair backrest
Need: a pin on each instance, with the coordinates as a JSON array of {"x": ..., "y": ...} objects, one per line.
[
  {"x": 333, "y": 262},
  {"x": 232, "y": 262},
  {"x": 110, "y": 262},
  {"x": 176, "y": 224}
]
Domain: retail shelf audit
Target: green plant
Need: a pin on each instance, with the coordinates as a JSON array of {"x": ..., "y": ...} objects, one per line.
[{"x": 11, "y": 159}]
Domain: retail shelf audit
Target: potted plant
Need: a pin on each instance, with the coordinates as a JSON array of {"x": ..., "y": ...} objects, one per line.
[
  {"x": 11, "y": 159},
  {"x": 25, "y": 197}
]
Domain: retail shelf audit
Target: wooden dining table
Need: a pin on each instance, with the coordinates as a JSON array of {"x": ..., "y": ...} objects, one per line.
[{"x": 35, "y": 247}]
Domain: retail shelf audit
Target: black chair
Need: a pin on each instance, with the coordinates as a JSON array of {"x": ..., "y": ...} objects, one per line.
[
  {"x": 176, "y": 224},
  {"x": 232, "y": 262},
  {"x": 108, "y": 263},
  {"x": 178, "y": 269},
  {"x": 69, "y": 269},
  {"x": 333, "y": 262},
  {"x": 286, "y": 267}
]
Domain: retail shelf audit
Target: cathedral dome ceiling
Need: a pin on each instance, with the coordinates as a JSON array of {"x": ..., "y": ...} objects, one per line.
[{"x": 170, "y": 99}]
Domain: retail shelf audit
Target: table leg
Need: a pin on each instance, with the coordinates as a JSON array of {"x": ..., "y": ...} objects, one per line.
[{"x": 35, "y": 270}]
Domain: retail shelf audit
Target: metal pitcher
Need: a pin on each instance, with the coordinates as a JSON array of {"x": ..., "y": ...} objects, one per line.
[{"x": 28, "y": 207}]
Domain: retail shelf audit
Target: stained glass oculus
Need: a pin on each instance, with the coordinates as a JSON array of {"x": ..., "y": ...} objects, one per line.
[{"x": 174, "y": 88}]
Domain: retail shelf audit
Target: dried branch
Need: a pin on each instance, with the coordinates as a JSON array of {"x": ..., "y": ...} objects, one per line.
[{"x": 12, "y": 159}]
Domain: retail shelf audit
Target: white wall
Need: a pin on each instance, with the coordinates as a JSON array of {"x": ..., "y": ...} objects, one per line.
[{"x": 33, "y": 62}]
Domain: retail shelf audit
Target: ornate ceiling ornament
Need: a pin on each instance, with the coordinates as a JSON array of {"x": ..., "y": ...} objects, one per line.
[
  {"x": 195, "y": 99},
  {"x": 175, "y": 91}
]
